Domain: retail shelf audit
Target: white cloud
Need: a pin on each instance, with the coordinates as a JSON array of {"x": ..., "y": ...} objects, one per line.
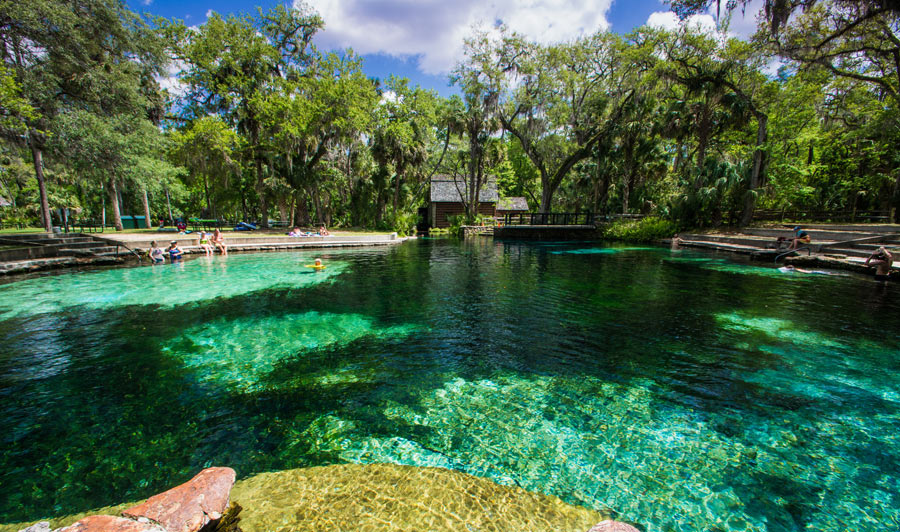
[
  {"x": 209, "y": 13},
  {"x": 147, "y": 2},
  {"x": 433, "y": 30},
  {"x": 668, "y": 20},
  {"x": 742, "y": 23},
  {"x": 170, "y": 82}
]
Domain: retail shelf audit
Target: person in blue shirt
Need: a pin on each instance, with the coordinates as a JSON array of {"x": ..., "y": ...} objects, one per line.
[
  {"x": 800, "y": 237},
  {"x": 174, "y": 251}
]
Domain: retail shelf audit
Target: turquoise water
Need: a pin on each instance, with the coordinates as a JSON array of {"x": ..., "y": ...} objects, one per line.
[{"x": 685, "y": 391}]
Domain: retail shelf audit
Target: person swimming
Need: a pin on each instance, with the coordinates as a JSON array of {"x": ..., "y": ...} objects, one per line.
[{"x": 794, "y": 269}]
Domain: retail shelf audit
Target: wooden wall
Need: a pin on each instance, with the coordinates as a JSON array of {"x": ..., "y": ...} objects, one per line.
[{"x": 440, "y": 212}]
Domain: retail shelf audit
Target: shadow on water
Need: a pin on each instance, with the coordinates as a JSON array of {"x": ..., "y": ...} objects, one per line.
[{"x": 559, "y": 372}]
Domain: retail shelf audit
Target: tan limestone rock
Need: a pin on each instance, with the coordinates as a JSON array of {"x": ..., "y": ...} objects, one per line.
[
  {"x": 108, "y": 523},
  {"x": 190, "y": 506}
]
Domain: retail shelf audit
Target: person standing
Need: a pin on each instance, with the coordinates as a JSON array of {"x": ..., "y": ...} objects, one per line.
[
  {"x": 156, "y": 253},
  {"x": 882, "y": 260},
  {"x": 174, "y": 251}
]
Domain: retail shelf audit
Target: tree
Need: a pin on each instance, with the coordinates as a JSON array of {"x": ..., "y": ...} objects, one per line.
[
  {"x": 309, "y": 114},
  {"x": 111, "y": 151},
  {"x": 406, "y": 127},
  {"x": 87, "y": 54},
  {"x": 778, "y": 12},
  {"x": 557, "y": 101},
  {"x": 728, "y": 75},
  {"x": 234, "y": 65},
  {"x": 208, "y": 149},
  {"x": 849, "y": 40}
]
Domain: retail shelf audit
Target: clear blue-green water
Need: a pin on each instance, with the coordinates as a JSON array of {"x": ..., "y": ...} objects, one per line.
[{"x": 685, "y": 391}]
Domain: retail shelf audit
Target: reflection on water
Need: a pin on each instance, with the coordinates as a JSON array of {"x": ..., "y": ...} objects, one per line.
[{"x": 684, "y": 390}]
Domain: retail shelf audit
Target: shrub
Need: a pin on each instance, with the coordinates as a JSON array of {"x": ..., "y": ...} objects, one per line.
[{"x": 645, "y": 230}]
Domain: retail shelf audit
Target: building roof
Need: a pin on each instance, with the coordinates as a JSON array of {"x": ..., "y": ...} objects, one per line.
[
  {"x": 512, "y": 204},
  {"x": 445, "y": 189}
]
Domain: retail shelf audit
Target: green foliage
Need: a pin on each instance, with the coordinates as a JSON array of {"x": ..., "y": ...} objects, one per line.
[
  {"x": 648, "y": 229},
  {"x": 682, "y": 124}
]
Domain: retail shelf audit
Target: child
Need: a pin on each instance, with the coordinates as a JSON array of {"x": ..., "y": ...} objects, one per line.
[
  {"x": 156, "y": 253},
  {"x": 204, "y": 243}
]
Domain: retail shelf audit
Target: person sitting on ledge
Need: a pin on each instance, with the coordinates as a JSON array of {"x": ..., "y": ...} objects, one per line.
[
  {"x": 174, "y": 251},
  {"x": 882, "y": 260},
  {"x": 218, "y": 240},
  {"x": 800, "y": 237},
  {"x": 323, "y": 231}
]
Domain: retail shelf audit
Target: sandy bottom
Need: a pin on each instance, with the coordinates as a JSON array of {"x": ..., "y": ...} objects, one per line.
[{"x": 386, "y": 497}]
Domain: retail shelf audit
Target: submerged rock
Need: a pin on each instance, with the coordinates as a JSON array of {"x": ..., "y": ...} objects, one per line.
[
  {"x": 612, "y": 526},
  {"x": 394, "y": 498},
  {"x": 109, "y": 523},
  {"x": 190, "y": 506}
]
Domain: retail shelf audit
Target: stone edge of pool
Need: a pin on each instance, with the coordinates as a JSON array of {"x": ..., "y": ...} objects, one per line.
[
  {"x": 204, "y": 503},
  {"x": 54, "y": 263}
]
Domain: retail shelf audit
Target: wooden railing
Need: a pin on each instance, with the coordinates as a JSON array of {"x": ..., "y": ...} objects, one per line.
[{"x": 549, "y": 218}]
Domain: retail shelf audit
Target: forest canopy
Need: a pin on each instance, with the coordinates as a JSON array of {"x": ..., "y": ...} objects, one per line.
[{"x": 259, "y": 125}]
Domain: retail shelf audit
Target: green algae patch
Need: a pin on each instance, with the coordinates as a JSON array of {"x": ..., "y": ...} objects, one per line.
[
  {"x": 163, "y": 285},
  {"x": 240, "y": 352},
  {"x": 599, "y": 251},
  {"x": 776, "y": 329},
  {"x": 726, "y": 266},
  {"x": 386, "y": 497}
]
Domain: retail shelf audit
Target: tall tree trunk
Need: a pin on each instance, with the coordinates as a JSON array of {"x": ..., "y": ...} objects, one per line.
[
  {"x": 302, "y": 211},
  {"x": 209, "y": 210},
  {"x": 397, "y": 192},
  {"x": 169, "y": 207},
  {"x": 114, "y": 204},
  {"x": 317, "y": 204},
  {"x": 263, "y": 200},
  {"x": 546, "y": 193},
  {"x": 146, "y": 209},
  {"x": 121, "y": 199},
  {"x": 37, "y": 157},
  {"x": 759, "y": 161},
  {"x": 379, "y": 208}
]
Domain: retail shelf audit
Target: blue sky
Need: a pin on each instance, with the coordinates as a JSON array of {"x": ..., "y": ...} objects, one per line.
[{"x": 421, "y": 39}]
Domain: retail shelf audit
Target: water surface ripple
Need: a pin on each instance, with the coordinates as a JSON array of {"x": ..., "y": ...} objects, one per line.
[{"x": 685, "y": 391}]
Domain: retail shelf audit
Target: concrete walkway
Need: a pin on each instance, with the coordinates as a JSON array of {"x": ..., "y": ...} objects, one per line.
[
  {"x": 841, "y": 246},
  {"x": 253, "y": 241},
  {"x": 113, "y": 248}
]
